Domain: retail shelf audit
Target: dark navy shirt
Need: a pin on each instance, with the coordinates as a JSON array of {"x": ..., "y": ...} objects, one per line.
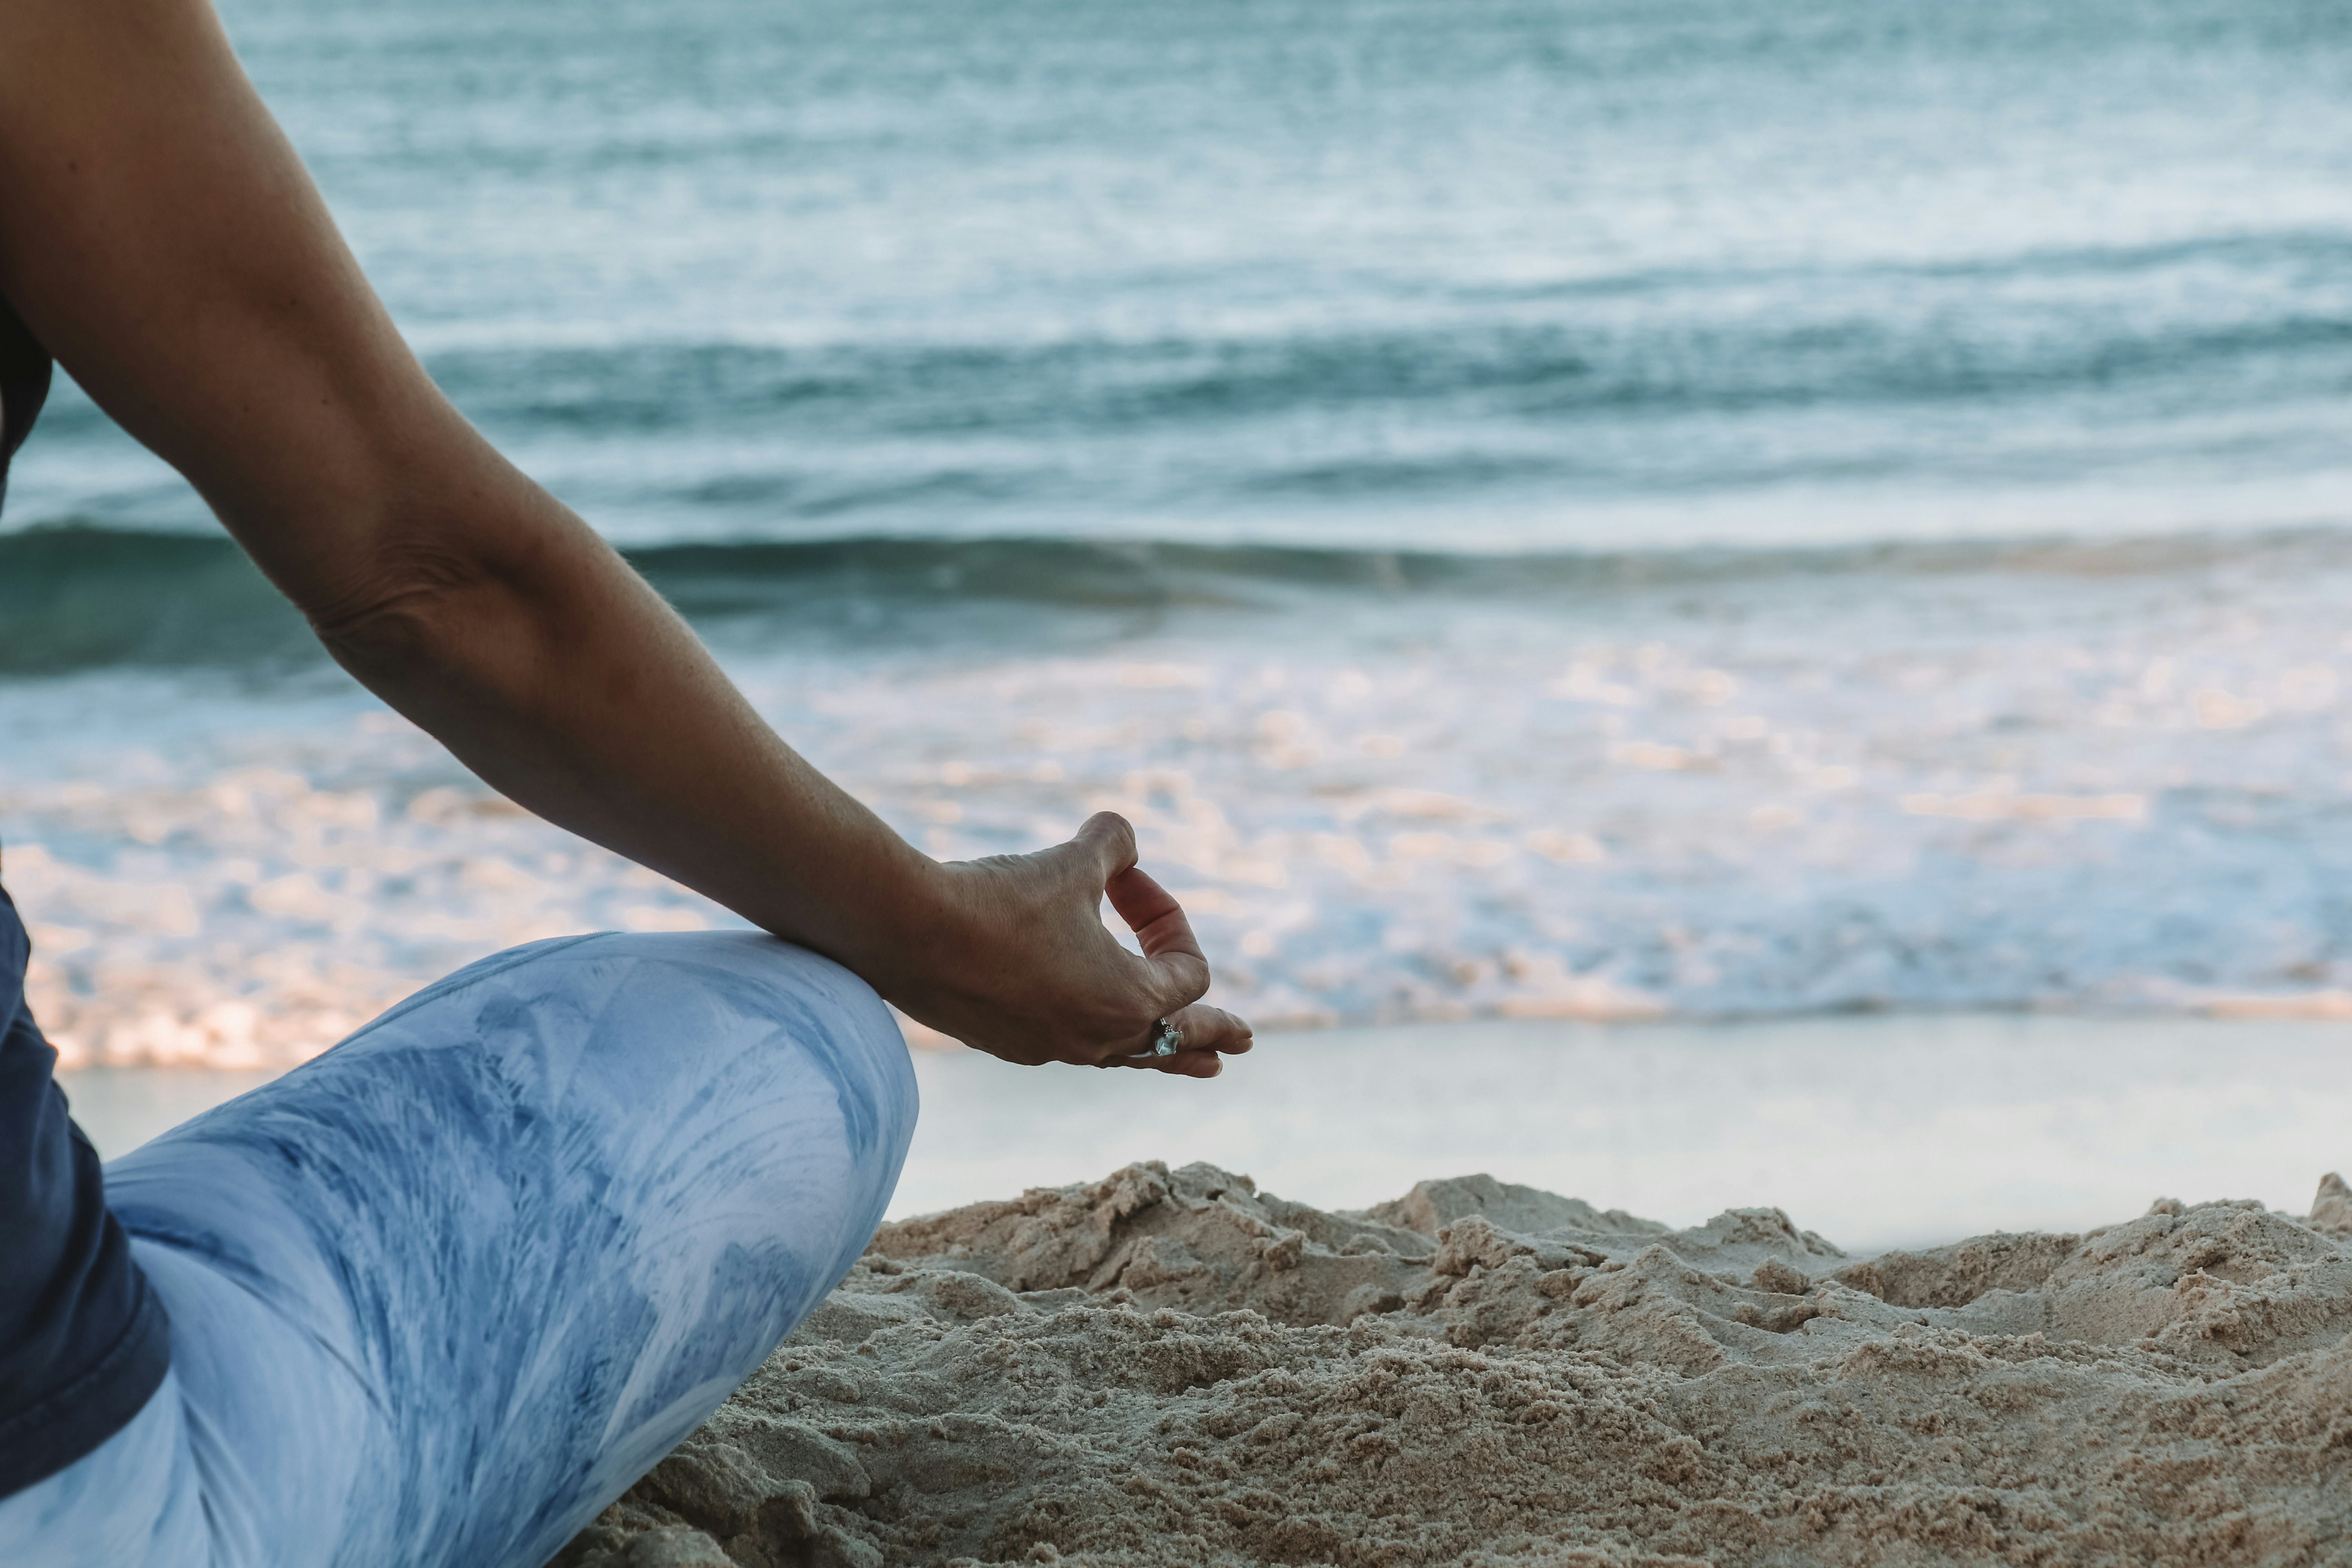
[{"x": 83, "y": 1341}]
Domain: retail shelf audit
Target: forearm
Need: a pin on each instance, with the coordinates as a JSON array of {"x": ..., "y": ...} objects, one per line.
[
  {"x": 163, "y": 242},
  {"x": 555, "y": 672}
]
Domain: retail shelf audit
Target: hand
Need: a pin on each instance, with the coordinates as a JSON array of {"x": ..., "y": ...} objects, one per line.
[{"x": 1013, "y": 959}]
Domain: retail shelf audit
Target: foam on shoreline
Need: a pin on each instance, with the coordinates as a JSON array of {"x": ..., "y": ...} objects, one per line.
[
  {"x": 1170, "y": 1367},
  {"x": 2107, "y": 783}
]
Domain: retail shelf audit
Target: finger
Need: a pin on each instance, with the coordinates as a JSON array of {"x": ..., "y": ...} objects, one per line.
[
  {"x": 1208, "y": 1032},
  {"x": 1152, "y": 913},
  {"x": 1164, "y": 934},
  {"x": 1208, "y": 1028},
  {"x": 1189, "y": 1064}
]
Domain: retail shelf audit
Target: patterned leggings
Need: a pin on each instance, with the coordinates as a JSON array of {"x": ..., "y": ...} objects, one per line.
[{"x": 440, "y": 1295}]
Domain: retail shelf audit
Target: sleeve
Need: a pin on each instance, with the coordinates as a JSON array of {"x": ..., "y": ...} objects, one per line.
[{"x": 84, "y": 1342}]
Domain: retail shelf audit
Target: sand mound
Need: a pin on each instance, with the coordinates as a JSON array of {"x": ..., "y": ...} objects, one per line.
[{"x": 1173, "y": 1367}]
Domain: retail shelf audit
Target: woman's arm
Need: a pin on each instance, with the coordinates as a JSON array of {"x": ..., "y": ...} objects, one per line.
[{"x": 160, "y": 237}]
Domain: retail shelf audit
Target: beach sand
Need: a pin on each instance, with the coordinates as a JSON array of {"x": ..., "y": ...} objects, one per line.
[
  {"x": 1171, "y": 1366},
  {"x": 1175, "y": 1367}
]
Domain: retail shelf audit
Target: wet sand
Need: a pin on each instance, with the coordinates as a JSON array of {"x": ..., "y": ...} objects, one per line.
[{"x": 1880, "y": 1131}]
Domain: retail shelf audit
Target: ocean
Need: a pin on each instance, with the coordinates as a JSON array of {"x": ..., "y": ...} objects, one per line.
[{"x": 1571, "y": 509}]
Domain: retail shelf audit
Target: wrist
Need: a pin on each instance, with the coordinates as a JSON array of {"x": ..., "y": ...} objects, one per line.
[{"x": 904, "y": 924}]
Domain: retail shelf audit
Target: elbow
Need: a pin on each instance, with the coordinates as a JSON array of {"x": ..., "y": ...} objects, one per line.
[
  {"x": 493, "y": 610},
  {"x": 409, "y": 610}
]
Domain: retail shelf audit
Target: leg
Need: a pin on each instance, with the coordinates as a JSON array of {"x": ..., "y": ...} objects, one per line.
[
  {"x": 132, "y": 1503},
  {"x": 450, "y": 1288}
]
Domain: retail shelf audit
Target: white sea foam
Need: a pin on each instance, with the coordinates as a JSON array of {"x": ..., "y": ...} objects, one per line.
[{"x": 1791, "y": 793}]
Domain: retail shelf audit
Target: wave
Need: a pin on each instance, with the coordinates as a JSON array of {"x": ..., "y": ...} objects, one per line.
[
  {"x": 2209, "y": 367},
  {"x": 79, "y": 595},
  {"x": 1986, "y": 336},
  {"x": 76, "y": 596}
]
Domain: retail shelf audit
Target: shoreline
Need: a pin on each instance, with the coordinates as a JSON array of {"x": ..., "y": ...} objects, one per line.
[{"x": 1877, "y": 1130}]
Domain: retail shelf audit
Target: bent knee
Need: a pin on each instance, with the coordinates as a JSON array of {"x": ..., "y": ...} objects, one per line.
[
  {"x": 765, "y": 976},
  {"x": 779, "y": 995},
  {"x": 650, "y": 1026}
]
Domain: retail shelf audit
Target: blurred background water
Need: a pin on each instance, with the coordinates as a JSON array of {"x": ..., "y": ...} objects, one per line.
[{"x": 1578, "y": 509}]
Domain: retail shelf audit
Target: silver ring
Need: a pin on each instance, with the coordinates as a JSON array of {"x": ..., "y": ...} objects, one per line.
[{"x": 1169, "y": 1040}]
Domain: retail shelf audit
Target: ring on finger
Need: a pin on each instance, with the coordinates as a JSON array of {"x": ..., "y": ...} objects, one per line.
[{"x": 1167, "y": 1039}]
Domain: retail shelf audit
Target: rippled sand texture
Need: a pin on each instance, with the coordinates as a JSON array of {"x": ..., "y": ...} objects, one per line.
[{"x": 1173, "y": 1367}]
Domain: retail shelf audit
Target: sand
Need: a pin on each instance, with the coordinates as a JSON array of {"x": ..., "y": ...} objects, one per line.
[{"x": 1171, "y": 1367}]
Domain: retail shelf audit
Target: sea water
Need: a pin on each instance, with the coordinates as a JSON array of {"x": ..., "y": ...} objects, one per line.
[{"x": 1576, "y": 510}]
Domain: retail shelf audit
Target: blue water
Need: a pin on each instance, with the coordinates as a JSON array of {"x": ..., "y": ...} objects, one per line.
[
  {"x": 1472, "y": 272},
  {"x": 1692, "y": 506}
]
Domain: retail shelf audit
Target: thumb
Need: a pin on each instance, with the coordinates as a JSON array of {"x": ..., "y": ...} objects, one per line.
[{"x": 1109, "y": 840}]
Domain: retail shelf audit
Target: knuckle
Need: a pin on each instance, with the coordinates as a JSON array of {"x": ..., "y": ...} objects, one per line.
[{"x": 1124, "y": 1022}]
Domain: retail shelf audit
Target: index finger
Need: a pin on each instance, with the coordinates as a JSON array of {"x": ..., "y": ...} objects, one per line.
[{"x": 1160, "y": 929}]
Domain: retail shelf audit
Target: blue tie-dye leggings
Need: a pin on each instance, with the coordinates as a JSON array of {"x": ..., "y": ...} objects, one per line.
[{"x": 439, "y": 1296}]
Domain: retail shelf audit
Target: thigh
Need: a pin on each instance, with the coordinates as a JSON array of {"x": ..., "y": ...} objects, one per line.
[
  {"x": 512, "y": 1241},
  {"x": 133, "y": 1502}
]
